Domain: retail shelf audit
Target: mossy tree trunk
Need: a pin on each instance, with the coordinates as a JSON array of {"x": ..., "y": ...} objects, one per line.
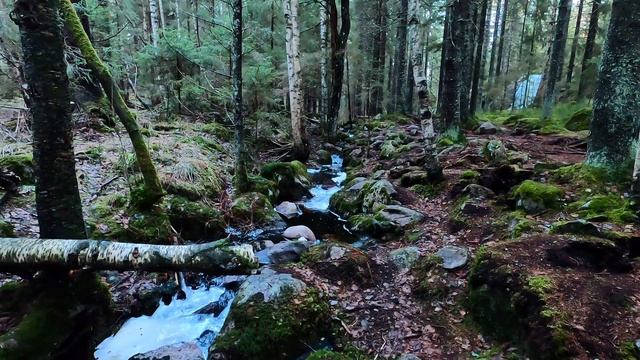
[
  {"x": 616, "y": 104},
  {"x": 216, "y": 258},
  {"x": 57, "y": 197},
  {"x": 152, "y": 191},
  {"x": 241, "y": 180}
]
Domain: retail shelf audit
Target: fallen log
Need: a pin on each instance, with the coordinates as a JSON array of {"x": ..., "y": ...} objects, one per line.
[{"x": 216, "y": 258}]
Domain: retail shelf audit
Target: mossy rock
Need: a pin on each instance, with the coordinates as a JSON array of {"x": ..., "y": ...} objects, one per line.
[
  {"x": 511, "y": 306},
  {"x": 218, "y": 130},
  {"x": 21, "y": 165},
  {"x": 371, "y": 224},
  {"x": 517, "y": 224},
  {"x": 191, "y": 178},
  {"x": 431, "y": 279},
  {"x": 609, "y": 207},
  {"x": 264, "y": 186},
  {"x": 341, "y": 263},
  {"x": 535, "y": 197},
  {"x": 6, "y": 229},
  {"x": 629, "y": 350},
  {"x": 470, "y": 175},
  {"x": 581, "y": 175},
  {"x": 580, "y": 120},
  {"x": 280, "y": 328},
  {"x": 54, "y": 325},
  {"x": 495, "y": 152},
  {"x": 194, "y": 220},
  {"x": 346, "y": 202},
  {"x": 291, "y": 178},
  {"x": 253, "y": 207}
]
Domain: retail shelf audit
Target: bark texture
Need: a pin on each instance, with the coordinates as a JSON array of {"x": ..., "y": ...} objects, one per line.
[
  {"x": 153, "y": 11},
  {"x": 589, "y": 46},
  {"x": 557, "y": 57},
  {"x": 300, "y": 141},
  {"x": 616, "y": 104},
  {"x": 480, "y": 59},
  {"x": 17, "y": 254},
  {"x": 338, "y": 41},
  {"x": 152, "y": 191},
  {"x": 240, "y": 176},
  {"x": 400, "y": 60},
  {"x": 324, "y": 71},
  {"x": 379, "y": 49},
  {"x": 57, "y": 197}
]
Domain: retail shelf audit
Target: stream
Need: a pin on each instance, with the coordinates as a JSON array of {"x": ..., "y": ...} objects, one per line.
[{"x": 180, "y": 321}]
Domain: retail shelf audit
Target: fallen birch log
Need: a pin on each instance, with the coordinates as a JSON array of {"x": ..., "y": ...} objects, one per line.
[{"x": 217, "y": 258}]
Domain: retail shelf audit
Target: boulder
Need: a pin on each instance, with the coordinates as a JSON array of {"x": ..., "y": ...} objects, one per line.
[
  {"x": 341, "y": 263},
  {"x": 376, "y": 195},
  {"x": 254, "y": 207},
  {"x": 283, "y": 252},
  {"x": 405, "y": 258},
  {"x": 299, "y": 231},
  {"x": 453, "y": 257},
  {"x": 400, "y": 216},
  {"x": 217, "y": 307},
  {"x": 495, "y": 152},
  {"x": 478, "y": 192},
  {"x": 265, "y": 320},
  {"x": 415, "y": 178},
  {"x": 179, "y": 351},
  {"x": 487, "y": 128},
  {"x": 288, "y": 210},
  {"x": 292, "y": 179},
  {"x": 534, "y": 197}
]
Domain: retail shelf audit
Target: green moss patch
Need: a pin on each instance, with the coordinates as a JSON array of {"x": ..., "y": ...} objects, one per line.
[
  {"x": 609, "y": 207},
  {"x": 21, "y": 165},
  {"x": 6, "y": 229},
  {"x": 533, "y": 195},
  {"x": 254, "y": 208}
]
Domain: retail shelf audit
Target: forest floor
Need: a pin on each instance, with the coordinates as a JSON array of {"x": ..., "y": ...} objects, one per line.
[{"x": 589, "y": 292}]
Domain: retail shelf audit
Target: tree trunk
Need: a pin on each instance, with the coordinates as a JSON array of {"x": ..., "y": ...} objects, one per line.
[
  {"x": 616, "y": 104},
  {"x": 574, "y": 45},
  {"x": 467, "y": 34},
  {"x": 241, "y": 179},
  {"x": 400, "y": 62},
  {"x": 324, "y": 71},
  {"x": 217, "y": 258},
  {"x": 152, "y": 191},
  {"x": 379, "y": 49},
  {"x": 587, "y": 66},
  {"x": 494, "y": 45},
  {"x": 478, "y": 69},
  {"x": 153, "y": 10},
  {"x": 557, "y": 57},
  {"x": 177, "y": 14},
  {"x": 300, "y": 141},
  {"x": 57, "y": 196},
  {"x": 338, "y": 46},
  {"x": 503, "y": 27},
  {"x": 446, "y": 44},
  {"x": 161, "y": 12}
]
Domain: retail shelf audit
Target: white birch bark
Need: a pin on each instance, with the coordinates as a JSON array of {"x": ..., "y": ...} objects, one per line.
[
  {"x": 324, "y": 72},
  {"x": 421, "y": 84},
  {"x": 177, "y": 4},
  {"x": 153, "y": 10},
  {"x": 214, "y": 258},
  {"x": 294, "y": 72},
  {"x": 161, "y": 11}
]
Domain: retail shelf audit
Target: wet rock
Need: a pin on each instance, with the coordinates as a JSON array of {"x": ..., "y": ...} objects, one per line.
[
  {"x": 288, "y": 210},
  {"x": 487, "y": 128},
  {"x": 415, "y": 178},
  {"x": 299, "y": 231},
  {"x": 216, "y": 307},
  {"x": 453, "y": 257},
  {"x": 231, "y": 282},
  {"x": 324, "y": 157},
  {"x": 405, "y": 258},
  {"x": 283, "y": 252},
  {"x": 180, "y": 351},
  {"x": 254, "y": 207},
  {"x": 400, "y": 216}
]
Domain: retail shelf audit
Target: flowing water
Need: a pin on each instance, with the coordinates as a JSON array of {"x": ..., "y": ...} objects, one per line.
[{"x": 179, "y": 321}]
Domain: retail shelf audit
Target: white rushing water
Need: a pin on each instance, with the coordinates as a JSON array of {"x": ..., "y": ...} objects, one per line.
[
  {"x": 322, "y": 195},
  {"x": 169, "y": 324}
]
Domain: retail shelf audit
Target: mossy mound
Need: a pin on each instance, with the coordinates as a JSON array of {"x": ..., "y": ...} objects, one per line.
[
  {"x": 254, "y": 208},
  {"x": 191, "y": 178},
  {"x": 21, "y": 165},
  {"x": 450, "y": 137},
  {"x": 341, "y": 262},
  {"x": 291, "y": 178},
  {"x": 6, "y": 229},
  {"x": 605, "y": 207},
  {"x": 581, "y": 175},
  {"x": 363, "y": 196},
  {"x": 194, "y": 220},
  {"x": 264, "y": 186},
  {"x": 218, "y": 130},
  {"x": 580, "y": 120},
  {"x": 54, "y": 325},
  {"x": 536, "y": 197},
  {"x": 281, "y": 328}
]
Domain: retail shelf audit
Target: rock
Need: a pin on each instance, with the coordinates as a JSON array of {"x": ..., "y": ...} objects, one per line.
[
  {"x": 378, "y": 117},
  {"x": 299, "y": 231},
  {"x": 288, "y": 210},
  {"x": 274, "y": 316},
  {"x": 502, "y": 178},
  {"x": 324, "y": 157},
  {"x": 580, "y": 120},
  {"x": 495, "y": 152},
  {"x": 341, "y": 263},
  {"x": 377, "y": 194},
  {"x": 576, "y": 227},
  {"x": 216, "y": 307},
  {"x": 179, "y": 351},
  {"x": 397, "y": 171},
  {"x": 292, "y": 179},
  {"x": 534, "y": 197},
  {"x": 487, "y": 128},
  {"x": 415, "y": 178},
  {"x": 408, "y": 357},
  {"x": 453, "y": 257},
  {"x": 400, "y": 216},
  {"x": 474, "y": 207},
  {"x": 405, "y": 258},
  {"x": 254, "y": 207},
  {"x": 283, "y": 252},
  {"x": 478, "y": 192}
]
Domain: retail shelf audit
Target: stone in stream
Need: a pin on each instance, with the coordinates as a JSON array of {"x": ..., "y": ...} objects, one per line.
[
  {"x": 283, "y": 252},
  {"x": 453, "y": 257},
  {"x": 216, "y": 307},
  {"x": 299, "y": 231},
  {"x": 288, "y": 210},
  {"x": 179, "y": 351},
  {"x": 405, "y": 258}
]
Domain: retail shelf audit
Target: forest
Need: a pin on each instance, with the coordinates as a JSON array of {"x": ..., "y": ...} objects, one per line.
[{"x": 319, "y": 179}]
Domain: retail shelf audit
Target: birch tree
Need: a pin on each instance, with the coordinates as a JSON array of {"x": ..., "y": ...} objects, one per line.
[
  {"x": 294, "y": 72},
  {"x": 153, "y": 12}
]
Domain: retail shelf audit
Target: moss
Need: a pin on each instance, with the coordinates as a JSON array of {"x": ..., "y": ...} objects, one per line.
[
  {"x": 347, "y": 354},
  {"x": 273, "y": 330},
  {"x": 581, "y": 175},
  {"x": 428, "y": 190},
  {"x": 95, "y": 152},
  {"x": 253, "y": 207},
  {"x": 495, "y": 152},
  {"x": 580, "y": 120},
  {"x": 388, "y": 149},
  {"x": 346, "y": 203},
  {"x": 194, "y": 220},
  {"x": 370, "y": 224},
  {"x": 193, "y": 179},
  {"x": 263, "y": 186},
  {"x": 207, "y": 144},
  {"x": 6, "y": 229},
  {"x": 470, "y": 175},
  {"x": 517, "y": 224},
  {"x": 21, "y": 165},
  {"x": 548, "y": 195},
  {"x": 541, "y": 285},
  {"x": 54, "y": 324},
  {"x": 452, "y": 136},
  {"x": 218, "y": 130},
  {"x": 629, "y": 351},
  {"x": 610, "y": 207}
]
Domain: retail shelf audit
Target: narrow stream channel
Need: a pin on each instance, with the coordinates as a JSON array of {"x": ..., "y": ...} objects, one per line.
[{"x": 179, "y": 321}]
